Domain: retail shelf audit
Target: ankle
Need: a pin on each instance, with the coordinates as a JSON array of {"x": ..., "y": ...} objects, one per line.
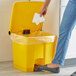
[{"x": 53, "y": 65}]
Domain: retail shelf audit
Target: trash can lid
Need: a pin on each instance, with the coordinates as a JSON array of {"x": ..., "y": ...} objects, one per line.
[{"x": 22, "y": 16}]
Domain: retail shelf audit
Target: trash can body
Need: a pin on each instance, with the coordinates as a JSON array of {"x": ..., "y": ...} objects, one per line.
[
  {"x": 28, "y": 51},
  {"x": 36, "y": 48},
  {"x": 24, "y": 56}
]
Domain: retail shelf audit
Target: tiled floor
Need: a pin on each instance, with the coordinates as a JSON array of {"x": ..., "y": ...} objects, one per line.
[{"x": 6, "y": 69}]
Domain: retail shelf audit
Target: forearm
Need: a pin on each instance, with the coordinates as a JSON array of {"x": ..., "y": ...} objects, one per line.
[{"x": 46, "y": 3}]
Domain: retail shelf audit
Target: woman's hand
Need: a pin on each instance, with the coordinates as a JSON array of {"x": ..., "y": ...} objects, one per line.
[{"x": 43, "y": 11}]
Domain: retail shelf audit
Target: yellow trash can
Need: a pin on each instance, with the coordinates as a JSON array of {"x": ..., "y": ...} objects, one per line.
[{"x": 29, "y": 49}]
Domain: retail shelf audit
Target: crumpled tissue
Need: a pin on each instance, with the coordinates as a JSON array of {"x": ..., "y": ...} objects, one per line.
[{"x": 37, "y": 19}]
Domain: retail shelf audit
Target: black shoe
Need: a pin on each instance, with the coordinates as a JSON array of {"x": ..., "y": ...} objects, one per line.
[
  {"x": 45, "y": 68},
  {"x": 73, "y": 74}
]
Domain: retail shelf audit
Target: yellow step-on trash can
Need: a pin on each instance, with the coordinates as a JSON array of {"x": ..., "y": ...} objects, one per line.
[{"x": 30, "y": 45}]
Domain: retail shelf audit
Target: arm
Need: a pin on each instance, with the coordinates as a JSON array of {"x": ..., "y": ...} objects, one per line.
[{"x": 46, "y": 3}]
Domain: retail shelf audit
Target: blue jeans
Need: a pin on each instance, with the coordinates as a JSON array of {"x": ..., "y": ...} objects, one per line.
[{"x": 65, "y": 30}]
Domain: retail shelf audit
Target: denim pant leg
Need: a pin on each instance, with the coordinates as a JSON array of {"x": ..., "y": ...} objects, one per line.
[{"x": 66, "y": 27}]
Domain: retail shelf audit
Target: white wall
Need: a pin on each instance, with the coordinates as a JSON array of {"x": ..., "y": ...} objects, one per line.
[
  {"x": 51, "y": 25},
  {"x": 37, "y": 0},
  {"x": 71, "y": 52},
  {"x": 5, "y": 42}
]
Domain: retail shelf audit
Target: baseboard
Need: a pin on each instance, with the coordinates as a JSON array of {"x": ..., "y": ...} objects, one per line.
[{"x": 70, "y": 62}]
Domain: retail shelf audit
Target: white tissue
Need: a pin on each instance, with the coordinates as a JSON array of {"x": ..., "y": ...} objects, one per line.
[{"x": 37, "y": 19}]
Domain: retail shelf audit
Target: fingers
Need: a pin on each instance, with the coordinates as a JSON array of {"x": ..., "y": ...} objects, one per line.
[{"x": 42, "y": 12}]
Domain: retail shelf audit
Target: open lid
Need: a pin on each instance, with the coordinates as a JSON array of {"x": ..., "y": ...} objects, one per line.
[{"x": 22, "y": 16}]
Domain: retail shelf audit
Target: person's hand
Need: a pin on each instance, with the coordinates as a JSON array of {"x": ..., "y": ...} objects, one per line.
[{"x": 43, "y": 11}]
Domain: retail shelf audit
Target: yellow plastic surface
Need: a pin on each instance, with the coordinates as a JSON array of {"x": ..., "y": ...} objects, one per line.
[
  {"x": 25, "y": 56},
  {"x": 34, "y": 38},
  {"x": 22, "y": 16},
  {"x": 39, "y": 52}
]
